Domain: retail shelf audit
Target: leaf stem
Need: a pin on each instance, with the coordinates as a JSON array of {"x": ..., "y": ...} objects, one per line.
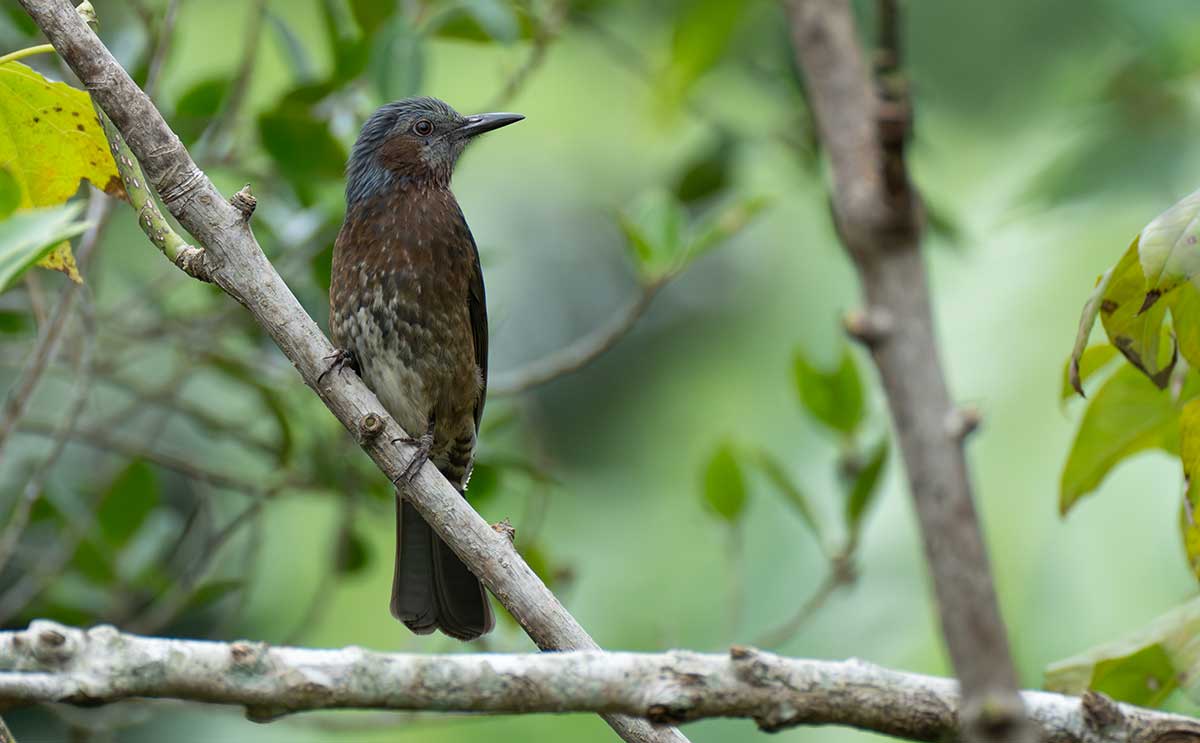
[{"x": 28, "y": 52}]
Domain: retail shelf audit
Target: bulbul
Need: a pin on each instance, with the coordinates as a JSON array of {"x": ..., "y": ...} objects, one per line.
[{"x": 407, "y": 309}]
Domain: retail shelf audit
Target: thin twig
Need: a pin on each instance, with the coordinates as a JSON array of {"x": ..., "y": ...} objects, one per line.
[
  {"x": 18, "y": 519},
  {"x": 579, "y": 354},
  {"x": 161, "y": 42},
  {"x": 16, "y": 404}
]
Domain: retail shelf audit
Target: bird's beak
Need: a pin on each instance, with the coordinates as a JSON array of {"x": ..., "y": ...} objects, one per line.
[{"x": 480, "y": 123}]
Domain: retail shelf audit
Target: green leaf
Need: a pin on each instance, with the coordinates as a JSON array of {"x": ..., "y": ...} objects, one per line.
[
  {"x": 353, "y": 553},
  {"x": 702, "y": 34},
  {"x": 724, "y": 486},
  {"x": 778, "y": 476},
  {"x": 27, "y": 237},
  {"x": 537, "y": 560},
  {"x": 1185, "y": 318},
  {"x": 1080, "y": 369},
  {"x": 397, "y": 60},
  {"x": 708, "y": 174},
  {"x": 1168, "y": 248},
  {"x": 128, "y": 500},
  {"x": 1189, "y": 457},
  {"x": 726, "y": 223},
  {"x": 1091, "y": 308},
  {"x": 197, "y": 106},
  {"x": 1133, "y": 323},
  {"x": 863, "y": 491},
  {"x": 13, "y": 322},
  {"x": 653, "y": 229},
  {"x": 10, "y": 193},
  {"x": 835, "y": 398},
  {"x": 1127, "y": 415},
  {"x": 1142, "y": 668},
  {"x": 371, "y": 14},
  {"x": 482, "y": 20},
  {"x": 302, "y": 147}
]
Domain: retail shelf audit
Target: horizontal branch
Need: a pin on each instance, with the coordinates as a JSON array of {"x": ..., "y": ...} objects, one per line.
[{"x": 49, "y": 662}]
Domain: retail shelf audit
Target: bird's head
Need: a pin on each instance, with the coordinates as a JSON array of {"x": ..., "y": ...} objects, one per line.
[{"x": 413, "y": 141}]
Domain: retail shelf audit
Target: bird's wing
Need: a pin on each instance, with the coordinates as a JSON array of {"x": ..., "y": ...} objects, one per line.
[{"x": 477, "y": 306}]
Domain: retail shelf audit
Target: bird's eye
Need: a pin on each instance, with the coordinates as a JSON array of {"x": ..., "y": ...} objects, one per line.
[{"x": 423, "y": 128}]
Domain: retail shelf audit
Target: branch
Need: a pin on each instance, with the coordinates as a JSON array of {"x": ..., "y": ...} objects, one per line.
[
  {"x": 51, "y": 663},
  {"x": 580, "y": 353},
  {"x": 239, "y": 267},
  {"x": 878, "y": 216}
]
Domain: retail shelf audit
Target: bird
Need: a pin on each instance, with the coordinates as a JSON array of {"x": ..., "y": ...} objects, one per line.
[{"x": 408, "y": 313}]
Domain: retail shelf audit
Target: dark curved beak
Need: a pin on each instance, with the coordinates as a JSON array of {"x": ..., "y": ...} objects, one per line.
[{"x": 480, "y": 123}]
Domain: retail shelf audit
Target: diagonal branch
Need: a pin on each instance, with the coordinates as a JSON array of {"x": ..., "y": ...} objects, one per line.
[
  {"x": 864, "y": 124},
  {"x": 51, "y": 663},
  {"x": 239, "y": 267}
]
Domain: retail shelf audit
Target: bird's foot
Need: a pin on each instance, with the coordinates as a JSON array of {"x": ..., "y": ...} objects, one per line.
[
  {"x": 338, "y": 360},
  {"x": 424, "y": 444}
]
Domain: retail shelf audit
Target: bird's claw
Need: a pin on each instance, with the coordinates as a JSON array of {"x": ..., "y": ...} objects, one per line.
[
  {"x": 338, "y": 360},
  {"x": 424, "y": 444}
]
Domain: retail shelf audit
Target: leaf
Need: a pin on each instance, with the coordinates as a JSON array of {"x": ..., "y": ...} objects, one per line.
[
  {"x": 1142, "y": 668},
  {"x": 303, "y": 148},
  {"x": 1127, "y": 415},
  {"x": 865, "y": 487},
  {"x": 397, "y": 60},
  {"x": 702, "y": 34},
  {"x": 778, "y": 476},
  {"x": 834, "y": 398},
  {"x": 535, "y": 557},
  {"x": 353, "y": 553},
  {"x": 727, "y": 222},
  {"x": 1185, "y": 319},
  {"x": 197, "y": 106},
  {"x": 10, "y": 193},
  {"x": 371, "y": 14},
  {"x": 1189, "y": 458},
  {"x": 1093, "y": 359},
  {"x": 28, "y": 236},
  {"x": 13, "y": 322},
  {"x": 1134, "y": 326},
  {"x": 50, "y": 140},
  {"x": 653, "y": 229},
  {"x": 1088, "y": 318},
  {"x": 133, "y": 494},
  {"x": 1168, "y": 250},
  {"x": 482, "y": 20},
  {"x": 724, "y": 487},
  {"x": 708, "y": 174}
]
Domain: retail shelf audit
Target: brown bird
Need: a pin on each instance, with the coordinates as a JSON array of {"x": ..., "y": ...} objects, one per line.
[{"x": 407, "y": 310}]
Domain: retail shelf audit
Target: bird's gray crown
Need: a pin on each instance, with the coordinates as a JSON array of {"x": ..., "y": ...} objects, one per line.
[{"x": 365, "y": 174}]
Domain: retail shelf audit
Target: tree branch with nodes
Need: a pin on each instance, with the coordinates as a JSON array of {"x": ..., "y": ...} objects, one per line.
[
  {"x": 864, "y": 119},
  {"x": 49, "y": 662}
]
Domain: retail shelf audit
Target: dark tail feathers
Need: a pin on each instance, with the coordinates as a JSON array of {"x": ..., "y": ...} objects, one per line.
[{"x": 432, "y": 588}]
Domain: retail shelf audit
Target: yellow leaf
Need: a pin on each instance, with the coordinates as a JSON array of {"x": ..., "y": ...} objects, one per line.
[{"x": 50, "y": 140}]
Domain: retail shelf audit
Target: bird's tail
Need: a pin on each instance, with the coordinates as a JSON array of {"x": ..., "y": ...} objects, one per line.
[{"x": 432, "y": 588}]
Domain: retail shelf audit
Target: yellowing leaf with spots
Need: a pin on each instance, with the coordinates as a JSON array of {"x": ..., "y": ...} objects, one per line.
[{"x": 50, "y": 141}]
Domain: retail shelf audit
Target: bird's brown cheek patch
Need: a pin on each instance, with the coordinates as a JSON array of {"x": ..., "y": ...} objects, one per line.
[{"x": 399, "y": 153}]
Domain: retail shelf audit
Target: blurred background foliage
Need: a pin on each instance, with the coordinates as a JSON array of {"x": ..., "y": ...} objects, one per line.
[{"x": 722, "y": 473}]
